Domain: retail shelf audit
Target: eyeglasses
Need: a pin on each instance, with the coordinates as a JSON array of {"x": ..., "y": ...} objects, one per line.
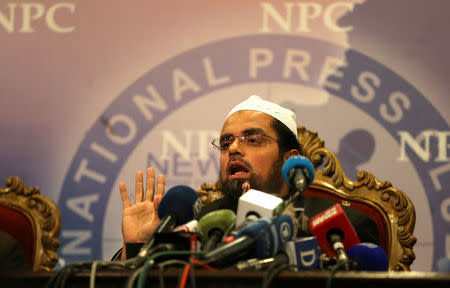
[{"x": 250, "y": 140}]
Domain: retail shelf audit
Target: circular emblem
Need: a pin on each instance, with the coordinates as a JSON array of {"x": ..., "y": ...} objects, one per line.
[{"x": 272, "y": 61}]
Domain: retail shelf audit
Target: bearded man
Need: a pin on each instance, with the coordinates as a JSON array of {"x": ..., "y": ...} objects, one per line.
[{"x": 256, "y": 139}]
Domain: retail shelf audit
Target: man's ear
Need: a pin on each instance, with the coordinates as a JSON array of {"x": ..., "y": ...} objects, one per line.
[{"x": 290, "y": 153}]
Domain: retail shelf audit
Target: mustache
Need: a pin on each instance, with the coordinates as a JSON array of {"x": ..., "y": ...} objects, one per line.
[{"x": 239, "y": 159}]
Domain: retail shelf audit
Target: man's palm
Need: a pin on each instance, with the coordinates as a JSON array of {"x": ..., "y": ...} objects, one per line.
[{"x": 139, "y": 222}]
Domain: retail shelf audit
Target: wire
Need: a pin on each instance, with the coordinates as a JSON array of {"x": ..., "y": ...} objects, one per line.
[
  {"x": 66, "y": 276},
  {"x": 132, "y": 278},
  {"x": 272, "y": 272},
  {"x": 163, "y": 265},
  {"x": 206, "y": 266},
  {"x": 151, "y": 260},
  {"x": 332, "y": 273},
  {"x": 133, "y": 262},
  {"x": 172, "y": 262},
  {"x": 161, "y": 277},
  {"x": 117, "y": 255},
  {"x": 192, "y": 275},
  {"x": 59, "y": 279},
  {"x": 184, "y": 276},
  {"x": 92, "y": 276}
]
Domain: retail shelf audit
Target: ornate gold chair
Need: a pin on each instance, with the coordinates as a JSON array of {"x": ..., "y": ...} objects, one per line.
[
  {"x": 33, "y": 220},
  {"x": 390, "y": 208}
]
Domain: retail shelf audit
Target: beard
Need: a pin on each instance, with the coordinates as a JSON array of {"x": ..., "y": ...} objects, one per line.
[{"x": 233, "y": 187}]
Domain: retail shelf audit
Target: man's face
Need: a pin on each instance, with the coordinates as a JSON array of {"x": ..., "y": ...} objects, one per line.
[{"x": 260, "y": 165}]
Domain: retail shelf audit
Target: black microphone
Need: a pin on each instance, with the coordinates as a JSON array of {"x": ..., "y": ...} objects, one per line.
[
  {"x": 298, "y": 172},
  {"x": 177, "y": 207}
]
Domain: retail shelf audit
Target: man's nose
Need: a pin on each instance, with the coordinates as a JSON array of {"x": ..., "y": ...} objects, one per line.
[{"x": 235, "y": 147}]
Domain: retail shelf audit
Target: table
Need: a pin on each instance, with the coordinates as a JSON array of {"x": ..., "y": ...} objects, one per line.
[{"x": 236, "y": 279}]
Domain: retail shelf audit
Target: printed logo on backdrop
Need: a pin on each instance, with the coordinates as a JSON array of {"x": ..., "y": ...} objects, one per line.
[
  {"x": 367, "y": 85},
  {"x": 31, "y": 17}
]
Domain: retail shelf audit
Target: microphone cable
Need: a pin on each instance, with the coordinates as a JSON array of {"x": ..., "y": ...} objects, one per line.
[
  {"x": 137, "y": 271},
  {"x": 142, "y": 271},
  {"x": 187, "y": 271},
  {"x": 92, "y": 275},
  {"x": 272, "y": 272},
  {"x": 333, "y": 272},
  {"x": 163, "y": 266},
  {"x": 60, "y": 278}
]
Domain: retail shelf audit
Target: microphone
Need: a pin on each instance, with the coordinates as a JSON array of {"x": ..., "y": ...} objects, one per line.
[
  {"x": 298, "y": 172},
  {"x": 255, "y": 204},
  {"x": 251, "y": 243},
  {"x": 214, "y": 225},
  {"x": 262, "y": 264},
  {"x": 300, "y": 254},
  {"x": 245, "y": 187},
  {"x": 303, "y": 253},
  {"x": 189, "y": 227},
  {"x": 334, "y": 233},
  {"x": 177, "y": 206},
  {"x": 369, "y": 256}
]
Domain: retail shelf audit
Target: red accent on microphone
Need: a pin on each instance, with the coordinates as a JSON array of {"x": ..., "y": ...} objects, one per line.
[
  {"x": 193, "y": 245},
  {"x": 333, "y": 218},
  {"x": 245, "y": 187},
  {"x": 229, "y": 239}
]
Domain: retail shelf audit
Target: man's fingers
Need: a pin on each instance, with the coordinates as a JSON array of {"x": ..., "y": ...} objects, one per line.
[
  {"x": 160, "y": 190},
  {"x": 139, "y": 186},
  {"x": 150, "y": 186},
  {"x": 161, "y": 185},
  {"x": 124, "y": 195},
  {"x": 156, "y": 203}
]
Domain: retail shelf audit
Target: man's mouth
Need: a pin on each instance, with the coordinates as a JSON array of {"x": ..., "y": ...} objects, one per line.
[{"x": 237, "y": 170}]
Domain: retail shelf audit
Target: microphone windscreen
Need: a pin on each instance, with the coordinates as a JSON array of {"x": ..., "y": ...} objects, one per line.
[
  {"x": 299, "y": 162},
  {"x": 273, "y": 240},
  {"x": 222, "y": 220},
  {"x": 181, "y": 201},
  {"x": 371, "y": 257},
  {"x": 333, "y": 221},
  {"x": 257, "y": 203}
]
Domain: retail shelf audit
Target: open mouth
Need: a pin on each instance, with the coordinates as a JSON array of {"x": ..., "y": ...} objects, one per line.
[{"x": 237, "y": 169}]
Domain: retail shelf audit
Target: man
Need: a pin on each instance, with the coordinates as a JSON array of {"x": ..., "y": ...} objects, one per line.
[{"x": 257, "y": 137}]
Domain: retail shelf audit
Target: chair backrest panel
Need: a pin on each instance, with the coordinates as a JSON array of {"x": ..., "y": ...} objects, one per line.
[
  {"x": 36, "y": 217},
  {"x": 19, "y": 225},
  {"x": 376, "y": 214}
]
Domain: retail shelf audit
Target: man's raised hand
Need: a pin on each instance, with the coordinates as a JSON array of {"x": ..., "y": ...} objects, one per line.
[{"x": 140, "y": 219}]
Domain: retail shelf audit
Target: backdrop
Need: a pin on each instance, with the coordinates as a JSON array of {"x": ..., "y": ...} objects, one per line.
[{"x": 92, "y": 91}]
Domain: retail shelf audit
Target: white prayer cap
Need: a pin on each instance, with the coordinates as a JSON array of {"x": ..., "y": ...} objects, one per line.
[{"x": 256, "y": 103}]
